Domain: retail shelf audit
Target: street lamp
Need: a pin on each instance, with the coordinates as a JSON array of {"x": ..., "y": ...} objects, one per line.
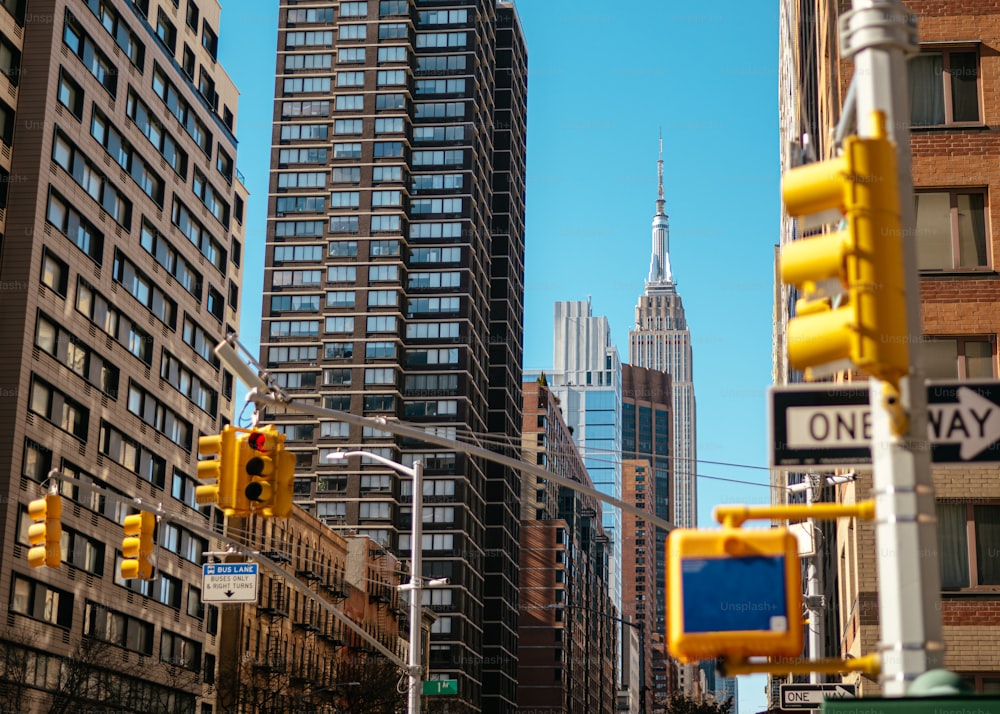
[
  {"x": 639, "y": 627},
  {"x": 416, "y": 566}
]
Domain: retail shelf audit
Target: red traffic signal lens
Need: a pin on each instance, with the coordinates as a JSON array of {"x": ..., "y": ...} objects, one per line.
[{"x": 257, "y": 441}]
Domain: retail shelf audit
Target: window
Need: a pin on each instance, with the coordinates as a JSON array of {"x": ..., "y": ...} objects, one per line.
[
  {"x": 298, "y": 253},
  {"x": 393, "y": 7},
  {"x": 959, "y": 357},
  {"x": 10, "y": 60},
  {"x": 951, "y": 229},
  {"x": 166, "y": 31},
  {"x": 340, "y": 298},
  {"x": 41, "y": 602},
  {"x": 180, "y": 377},
  {"x": 117, "y": 628},
  {"x": 96, "y": 62},
  {"x": 969, "y": 541},
  {"x": 321, "y": 14},
  {"x": 353, "y": 9},
  {"x": 209, "y": 40},
  {"x": 309, "y": 61},
  {"x": 55, "y": 273},
  {"x": 382, "y": 272},
  {"x": 68, "y": 221},
  {"x": 153, "y": 130},
  {"x": 113, "y": 322},
  {"x": 179, "y": 651},
  {"x": 350, "y": 79},
  {"x": 75, "y": 354},
  {"x": 127, "y": 40},
  {"x": 145, "y": 290},
  {"x": 50, "y": 403},
  {"x": 944, "y": 87},
  {"x": 377, "y": 509},
  {"x": 352, "y": 32},
  {"x": 183, "y": 112},
  {"x": 351, "y": 55},
  {"x": 192, "y": 15},
  {"x": 390, "y": 101},
  {"x": 70, "y": 94},
  {"x": 155, "y": 413},
  {"x": 382, "y": 224},
  {"x": 304, "y": 132}
]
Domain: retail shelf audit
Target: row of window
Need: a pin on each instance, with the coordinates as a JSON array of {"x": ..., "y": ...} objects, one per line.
[{"x": 378, "y": 224}]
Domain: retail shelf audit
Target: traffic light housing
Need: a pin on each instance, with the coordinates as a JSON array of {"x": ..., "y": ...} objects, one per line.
[
  {"x": 869, "y": 327},
  {"x": 266, "y": 472},
  {"x": 45, "y": 531},
  {"x": 219, "y": 473},
  {"x": 733, "y": 593},
  {"x": 137, "y": 546}
]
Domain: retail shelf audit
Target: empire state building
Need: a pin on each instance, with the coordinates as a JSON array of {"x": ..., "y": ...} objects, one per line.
[{"x": 661, "y": 341}]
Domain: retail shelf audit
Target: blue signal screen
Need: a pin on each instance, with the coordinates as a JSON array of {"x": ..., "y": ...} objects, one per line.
[{"x": 734, "y": 594}]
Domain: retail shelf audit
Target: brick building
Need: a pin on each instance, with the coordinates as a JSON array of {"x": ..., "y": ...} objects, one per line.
[
  {"x": 955, "y": 101},
  {"x": 567, "y": 651},
  {"x": 286, "y": 653}
]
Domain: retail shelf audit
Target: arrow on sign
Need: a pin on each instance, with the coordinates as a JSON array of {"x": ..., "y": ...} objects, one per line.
[
  {"x": 974, "y": 423},
  {"x": 840, "y": 693}
]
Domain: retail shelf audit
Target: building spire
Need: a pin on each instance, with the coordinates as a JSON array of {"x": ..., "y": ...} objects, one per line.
[
  {"x": 659, "y": 174},
  {"x": 659, "y": 263}
]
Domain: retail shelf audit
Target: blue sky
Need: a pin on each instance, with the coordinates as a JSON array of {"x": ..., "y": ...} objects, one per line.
[{"x": 603, "y": 79}]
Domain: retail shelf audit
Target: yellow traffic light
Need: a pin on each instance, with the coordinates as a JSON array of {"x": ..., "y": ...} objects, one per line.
[
  {"x": 219, "y": 473},
  {"x": 137, "y": 546},
  {"x": 733, "y": 593},
  {"x": 868, "y": 325},
  {"x": 45, "y": 531},
  {"x": 267, "y": 472}
]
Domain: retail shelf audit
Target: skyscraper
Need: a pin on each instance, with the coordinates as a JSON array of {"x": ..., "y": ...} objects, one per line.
[
  {"x": 661, "y": 341},
  {"x": 587, "y": 379},
  {"x": 121, "y": 236},
  {"x": 394, "y": 288}
]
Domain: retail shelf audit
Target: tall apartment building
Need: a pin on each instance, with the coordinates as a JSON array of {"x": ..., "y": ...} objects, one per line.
[
  {"x": 587, "y": 380},
  {"x": 567, "y": 649},
  {"x": 661, "y": 341},
  {"x": 393, "y": 269},
  {"x": 953, "y": 84},
  {"x": 120, "y": 270}
]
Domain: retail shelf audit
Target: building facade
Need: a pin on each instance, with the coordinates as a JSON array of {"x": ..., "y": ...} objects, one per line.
[
  {"x": 567, "y": 653},
  {"x": 952, "y": 83},
  {"x": 586, "y": 379},
  {"x": 394, "y": 288},
  {"x": 639, "y": 566},
  {"x": 121, "y": 269},
  {"x": 286, "y": 653},
  {"x": 661, "y": 341}
]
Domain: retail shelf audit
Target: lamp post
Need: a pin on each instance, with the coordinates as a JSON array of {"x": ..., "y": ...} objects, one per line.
[
  {"x": 639, "y": 627},
  {"x": 416, "y": 567}
]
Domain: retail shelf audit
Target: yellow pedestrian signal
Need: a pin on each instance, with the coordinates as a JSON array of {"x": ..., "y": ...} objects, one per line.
[
  {"x": 866, "y": 324},
  {"x": 137, "y": 546},
  {"x": 733, "y": 593},
  {"x": 45, "y": 531}
]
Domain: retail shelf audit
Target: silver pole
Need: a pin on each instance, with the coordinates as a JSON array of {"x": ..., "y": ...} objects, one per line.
[
  {"x": 879, "y": 34},
  {"x": 416, "y": 596},
  {"x": 813, "y": 596}
]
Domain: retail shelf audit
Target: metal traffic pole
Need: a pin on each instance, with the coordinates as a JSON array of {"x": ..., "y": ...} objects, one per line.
[{"x": 879, "y": 35}]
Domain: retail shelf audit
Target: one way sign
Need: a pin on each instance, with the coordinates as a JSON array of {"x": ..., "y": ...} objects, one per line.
[
  {"x": 830, "y": 424},
  {"x": 811, "y": 696}
]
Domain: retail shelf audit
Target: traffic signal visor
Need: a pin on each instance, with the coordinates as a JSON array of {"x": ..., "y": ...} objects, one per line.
[
  {"x": 864, "y": 319},
  {"x": 733, "y": 593},
  {"x": 258, "y": 457},
  {"x": 45, "y": 531}
]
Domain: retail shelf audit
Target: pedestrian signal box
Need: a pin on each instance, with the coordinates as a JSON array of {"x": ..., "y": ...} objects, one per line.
[{"x": 733, "y": 593}]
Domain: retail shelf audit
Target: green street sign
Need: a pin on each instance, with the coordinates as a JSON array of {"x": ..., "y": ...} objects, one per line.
[{"x": 440, "y": 686}]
